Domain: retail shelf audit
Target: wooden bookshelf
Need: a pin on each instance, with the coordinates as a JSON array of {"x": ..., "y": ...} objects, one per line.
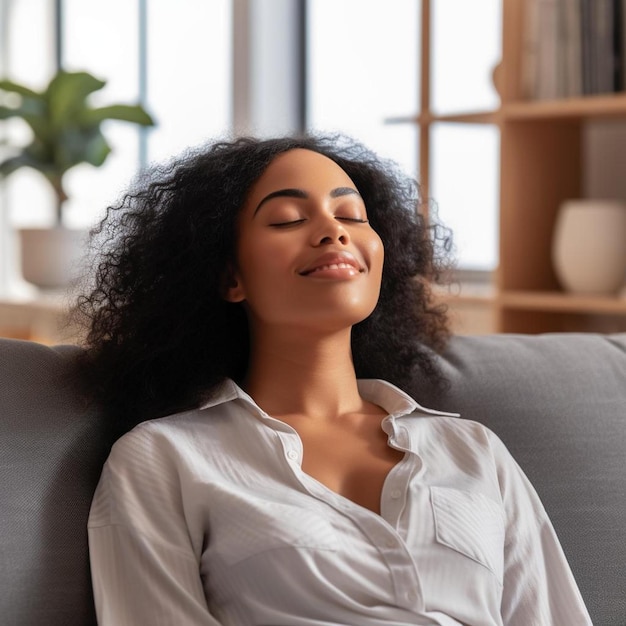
[
  {"x": 562, "y": 302},
  {"x": 585, "y": 108},
  {"x": 541, "y": 158}
]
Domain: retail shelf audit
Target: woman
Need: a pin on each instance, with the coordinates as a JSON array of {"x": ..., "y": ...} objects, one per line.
[{"x": 262, "y": 281}]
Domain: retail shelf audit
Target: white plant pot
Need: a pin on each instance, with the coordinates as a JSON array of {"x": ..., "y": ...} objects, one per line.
[
  {"x": 589, "y": 246},
  {"x": 51, "y": 257}
]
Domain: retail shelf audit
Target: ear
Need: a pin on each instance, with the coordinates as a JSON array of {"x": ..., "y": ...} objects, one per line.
[{"x": 232, "y": 289}]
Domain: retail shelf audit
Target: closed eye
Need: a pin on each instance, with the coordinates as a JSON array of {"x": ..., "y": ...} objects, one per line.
[
  {"x": 356, "y": 220},
  {"x": 286, "y": 224},
  {"x": 352, "y": 219}
]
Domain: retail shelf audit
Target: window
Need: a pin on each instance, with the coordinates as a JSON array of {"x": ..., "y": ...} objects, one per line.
[
  {"x": 167, "y": 56},
  {"x": 465, "y": 48},
  {"x": 174, "y": 57},
  {"x": 362, "y": 69},
  {"x": 464, "y": 187}
]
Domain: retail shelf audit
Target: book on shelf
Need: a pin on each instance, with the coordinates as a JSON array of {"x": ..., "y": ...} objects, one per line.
[{"x": 573, "y": 48}]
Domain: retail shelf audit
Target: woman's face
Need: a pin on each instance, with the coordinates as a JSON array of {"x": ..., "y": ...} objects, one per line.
[{"x": 306, "y": 254}]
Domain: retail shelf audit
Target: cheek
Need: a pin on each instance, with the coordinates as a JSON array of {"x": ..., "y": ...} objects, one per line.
[
  {"x": 260, "y": 263},
  {"x": 377, "y": 254}
]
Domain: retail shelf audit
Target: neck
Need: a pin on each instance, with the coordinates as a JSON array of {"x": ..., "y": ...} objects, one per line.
[{"x": 295, "y": 373}]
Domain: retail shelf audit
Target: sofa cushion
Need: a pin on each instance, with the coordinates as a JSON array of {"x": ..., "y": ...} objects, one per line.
[
  {"x": 52, "y": 448},
  {"x": 558, "y": 401}
]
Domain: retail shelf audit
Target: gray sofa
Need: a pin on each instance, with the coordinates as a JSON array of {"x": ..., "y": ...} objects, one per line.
[{"x": 557, "y": 401}]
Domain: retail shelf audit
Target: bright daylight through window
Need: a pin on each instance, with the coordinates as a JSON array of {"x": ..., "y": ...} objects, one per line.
[
  {"x": 190, "y": 101},
  {"x": 361, "y": 76},
  {"x": 357, "y": 78}
]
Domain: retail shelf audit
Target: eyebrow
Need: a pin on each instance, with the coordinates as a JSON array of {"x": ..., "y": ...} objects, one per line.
[{"x": 300, "y": 193}]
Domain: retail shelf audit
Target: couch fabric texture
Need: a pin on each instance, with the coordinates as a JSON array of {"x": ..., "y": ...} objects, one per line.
[{"x": 557, "y": 401}]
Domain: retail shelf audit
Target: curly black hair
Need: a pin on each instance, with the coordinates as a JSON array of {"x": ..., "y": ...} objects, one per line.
[{"x": 160, "y": 337}]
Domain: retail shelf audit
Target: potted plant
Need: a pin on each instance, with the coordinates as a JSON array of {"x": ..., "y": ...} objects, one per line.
[{"x": 66, "y": 131}]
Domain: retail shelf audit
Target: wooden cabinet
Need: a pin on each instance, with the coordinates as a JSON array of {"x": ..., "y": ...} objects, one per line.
[
  {"x": 42, "y": 319},
  {"x": 541, "y": 161}
]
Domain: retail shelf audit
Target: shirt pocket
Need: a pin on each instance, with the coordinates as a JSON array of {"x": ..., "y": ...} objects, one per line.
[
  {"x": 472, "y": 524},
  {"x": 256, "y": 530}
]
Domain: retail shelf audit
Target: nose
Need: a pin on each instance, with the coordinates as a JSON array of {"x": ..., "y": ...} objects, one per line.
[{"x": 330, "y": 230}]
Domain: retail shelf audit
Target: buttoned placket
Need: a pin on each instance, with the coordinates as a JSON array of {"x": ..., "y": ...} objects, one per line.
[{"x": 383, "y": 531}]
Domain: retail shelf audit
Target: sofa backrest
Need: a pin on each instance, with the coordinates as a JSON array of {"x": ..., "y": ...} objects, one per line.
[
  {"x": 557, "y": 401},
  {"x": 52, "y": 448}
]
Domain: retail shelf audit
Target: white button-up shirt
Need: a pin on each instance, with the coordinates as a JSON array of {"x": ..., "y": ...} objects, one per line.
[{"x": 206, "y": 518}]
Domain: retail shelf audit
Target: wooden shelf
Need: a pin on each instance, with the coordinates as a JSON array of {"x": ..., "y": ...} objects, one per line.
[
  {"x": 471, "y": 307},
  {"x": 471, "y": 117},
  {"x": 588, "y": 107},
  {"x": 477, "y": 117},
  {"x": 42, "y": 318},
  {"x": 467, "y": 293},
  {"x": 542, "y": 159},
  {"x": 562, "y": 302}
]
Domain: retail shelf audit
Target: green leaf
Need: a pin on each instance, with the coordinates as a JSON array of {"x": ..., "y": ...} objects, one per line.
[
  {"x": 40, "y": 127},
  {"x": 78, "y": 84},
  {"x": 27, "y": 107},
  {"x": 7, "y": 112},
  {"x": 81, "y": 146},
  {"x": 67, "y": 94},
  {"x": 9, "y": 85},
  {"x": 10, "y": 165},
  {"x": 40, "y": 151},
  {"x": 123, "y": 112},
  {"x": 97, "y": 150},
  {"x": 66, "y": 128}
]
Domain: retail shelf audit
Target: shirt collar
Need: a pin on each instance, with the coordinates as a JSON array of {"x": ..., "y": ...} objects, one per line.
[
  {"x": 395, "y": 401},
  {"x": 225, "y": 391},
  {"x": 392, "y": 399}
]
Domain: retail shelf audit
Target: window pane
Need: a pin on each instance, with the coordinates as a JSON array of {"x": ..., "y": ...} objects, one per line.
[
  {"x": 25, "y": 198},
  {"x": 189, "y": 93},
  {"x": 190, "y": 101},
  {"x": 189, "y": 72},
  {"x": 362, "y": 68},
  {"x": 464, "y": 187},
  {"x": 28, "y": 60},
  {"x": 466, "y": 46},
  {"x": 102, "y": 38}
]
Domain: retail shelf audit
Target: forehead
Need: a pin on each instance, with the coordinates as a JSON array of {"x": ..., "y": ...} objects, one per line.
[{"x": 301, "y": 169}]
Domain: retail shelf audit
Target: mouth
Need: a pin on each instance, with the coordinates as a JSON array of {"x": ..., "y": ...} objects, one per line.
[{"x": 333, "y": 263}]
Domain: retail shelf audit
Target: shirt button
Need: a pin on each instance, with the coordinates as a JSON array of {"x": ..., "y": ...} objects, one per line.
[
  {"x": 396, "y": 493},
  {"x": 293, "y": 455},
  {"x": 410, "y": 596},
  {"x": 389, "y": 543}
]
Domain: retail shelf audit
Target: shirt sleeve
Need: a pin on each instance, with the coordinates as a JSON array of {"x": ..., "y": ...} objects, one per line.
[
  {"x": 539, "y": 588},
  {"x": 144, "y": 567}
]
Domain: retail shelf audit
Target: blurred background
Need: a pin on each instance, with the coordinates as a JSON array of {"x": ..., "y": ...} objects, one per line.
[{"x": 419, "y": 93}]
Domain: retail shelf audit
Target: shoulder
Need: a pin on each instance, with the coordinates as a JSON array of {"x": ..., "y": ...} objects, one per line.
[
  {"x": 157, "y": 433},
  {"x": 448, "y": 424},
  {"x": 168, "y": 439},
  {"x": 458, "y": 436}
]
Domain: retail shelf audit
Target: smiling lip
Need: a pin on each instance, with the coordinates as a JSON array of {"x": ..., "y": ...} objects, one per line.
[{"x": 333, "y": 262}]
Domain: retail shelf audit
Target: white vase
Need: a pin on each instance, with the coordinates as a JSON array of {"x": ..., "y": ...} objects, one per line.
[
  {"x": 589, "y": 246},
  {"x": 51, "y": 257}
]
